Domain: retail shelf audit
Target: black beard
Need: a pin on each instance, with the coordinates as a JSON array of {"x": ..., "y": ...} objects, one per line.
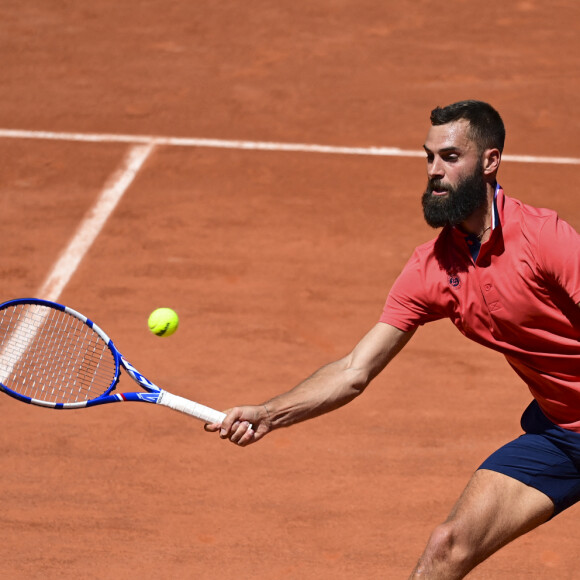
[{"x": 459, "y": 203}]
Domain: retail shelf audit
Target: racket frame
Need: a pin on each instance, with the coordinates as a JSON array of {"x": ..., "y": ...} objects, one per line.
[{"x": 153, "y": 394}]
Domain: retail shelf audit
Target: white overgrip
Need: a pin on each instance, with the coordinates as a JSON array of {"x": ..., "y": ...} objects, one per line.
[{"x": 201, "y": 412}]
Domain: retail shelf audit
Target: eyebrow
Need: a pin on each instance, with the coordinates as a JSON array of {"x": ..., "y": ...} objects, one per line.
[{"x": 444, "y": 150}]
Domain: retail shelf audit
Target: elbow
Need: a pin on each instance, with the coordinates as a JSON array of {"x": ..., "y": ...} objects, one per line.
[{"x": 358, "y": 381}]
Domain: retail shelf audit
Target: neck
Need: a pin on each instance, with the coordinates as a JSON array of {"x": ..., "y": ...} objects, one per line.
[{"x": 479, "y": 222}]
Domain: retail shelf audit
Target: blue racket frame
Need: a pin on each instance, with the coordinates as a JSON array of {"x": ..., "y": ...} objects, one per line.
[
  {"x": 153, "y": 391},
  {"x": 153, "y": 394}
]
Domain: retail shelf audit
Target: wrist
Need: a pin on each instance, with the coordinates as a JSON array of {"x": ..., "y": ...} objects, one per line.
[{"x": 268, "y": 416}]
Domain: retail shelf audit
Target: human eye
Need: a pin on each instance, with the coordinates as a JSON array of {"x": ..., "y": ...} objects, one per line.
[{"x": 451, "y": 157}]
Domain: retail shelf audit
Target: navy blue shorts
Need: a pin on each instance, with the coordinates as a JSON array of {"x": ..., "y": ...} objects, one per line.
[{"x": 546, "y": 457}]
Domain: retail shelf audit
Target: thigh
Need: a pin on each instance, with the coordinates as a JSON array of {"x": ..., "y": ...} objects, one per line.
[
  {"x": 494, "y": 509},
  {"x": 546, "y": 458}
]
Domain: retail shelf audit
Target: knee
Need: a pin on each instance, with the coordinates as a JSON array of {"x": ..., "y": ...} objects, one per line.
[
  {"x": 444, "y": 540},
  {"x": 448, "y": 549}
]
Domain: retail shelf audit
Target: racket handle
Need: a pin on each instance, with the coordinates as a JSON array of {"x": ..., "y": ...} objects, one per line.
[{"x": 201, "y": 412}]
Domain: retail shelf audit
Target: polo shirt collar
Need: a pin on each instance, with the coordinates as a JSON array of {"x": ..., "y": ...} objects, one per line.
[{"x": 472, "y": 241}]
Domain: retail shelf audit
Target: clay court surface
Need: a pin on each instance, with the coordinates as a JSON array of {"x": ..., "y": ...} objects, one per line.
[{"x": 277, "y": 261}]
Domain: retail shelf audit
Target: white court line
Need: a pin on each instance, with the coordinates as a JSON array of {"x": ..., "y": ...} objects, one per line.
[
  {"x": 254, "y": 145},
  {"x": 94, "y": 221}
]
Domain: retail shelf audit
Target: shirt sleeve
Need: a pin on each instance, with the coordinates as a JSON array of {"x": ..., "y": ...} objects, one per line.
[
  {"x": 407, "y": 305},
  {"x": 559, "y": 255}
]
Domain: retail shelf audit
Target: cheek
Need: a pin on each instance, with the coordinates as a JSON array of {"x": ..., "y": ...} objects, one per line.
[
  {"x": 455, "y": 174},
  {"x": 451, "y": 177}
]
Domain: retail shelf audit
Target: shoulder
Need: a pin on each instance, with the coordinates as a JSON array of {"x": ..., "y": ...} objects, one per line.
[
  {"x": 514, "y": 208},
  {"x": 432, "y": 264},
  {"x": 548, "y": 240},
  {"x": 427, "y": 251},
  {"x": 540, "y": 224}
]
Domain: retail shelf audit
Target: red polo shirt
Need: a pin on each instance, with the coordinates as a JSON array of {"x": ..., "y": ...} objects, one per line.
[{"x": 519, "y": 297}]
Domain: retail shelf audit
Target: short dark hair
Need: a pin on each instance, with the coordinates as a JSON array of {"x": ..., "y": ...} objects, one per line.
[{"x": 486, "y": 127}]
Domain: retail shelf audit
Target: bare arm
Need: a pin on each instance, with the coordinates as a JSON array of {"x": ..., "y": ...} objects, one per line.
[{"x": 329, "y": 388}]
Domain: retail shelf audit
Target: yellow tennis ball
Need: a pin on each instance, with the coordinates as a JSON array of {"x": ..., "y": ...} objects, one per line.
[{"x": 163, "y": 321}]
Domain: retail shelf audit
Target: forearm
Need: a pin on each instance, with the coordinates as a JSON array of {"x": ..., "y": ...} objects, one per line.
[{"x": 329, "y": 388}]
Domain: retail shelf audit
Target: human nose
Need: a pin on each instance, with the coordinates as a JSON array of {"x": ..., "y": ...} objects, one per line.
[{"x": 435, "y": 168}]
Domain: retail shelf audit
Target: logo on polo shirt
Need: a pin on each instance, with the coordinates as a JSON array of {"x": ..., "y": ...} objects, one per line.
[{"x": 455, "y": 281}]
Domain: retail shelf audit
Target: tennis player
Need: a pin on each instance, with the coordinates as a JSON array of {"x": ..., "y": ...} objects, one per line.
[{"x": 508, "y": 276}]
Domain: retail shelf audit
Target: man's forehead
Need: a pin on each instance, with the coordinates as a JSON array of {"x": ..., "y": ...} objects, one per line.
[{"x": 454, "y": 135}]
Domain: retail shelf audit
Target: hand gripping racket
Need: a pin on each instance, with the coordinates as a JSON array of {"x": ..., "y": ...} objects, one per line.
[{"x": 53, "y": 356}]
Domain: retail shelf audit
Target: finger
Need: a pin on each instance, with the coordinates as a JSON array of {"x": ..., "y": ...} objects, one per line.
[
  {"x": 241, "y": 430},
  {"x": 248, "y": 437},
  {"x": 228, "y": 434},
  {"x": 211, "y": 427},
  {"x": 230, "y": 420}
]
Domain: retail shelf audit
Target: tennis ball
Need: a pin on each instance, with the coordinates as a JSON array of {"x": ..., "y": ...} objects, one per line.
[{"x": 163, "y": 321}]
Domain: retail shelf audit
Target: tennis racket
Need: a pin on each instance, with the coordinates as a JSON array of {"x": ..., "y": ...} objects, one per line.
[{"x": 53, "y": 356}]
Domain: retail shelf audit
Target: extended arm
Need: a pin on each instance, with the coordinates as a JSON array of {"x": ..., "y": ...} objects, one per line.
[{"x": 329, "y": 388}]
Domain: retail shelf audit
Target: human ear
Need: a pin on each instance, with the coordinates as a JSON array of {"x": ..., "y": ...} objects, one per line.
[{"x": 491, "y": 161}]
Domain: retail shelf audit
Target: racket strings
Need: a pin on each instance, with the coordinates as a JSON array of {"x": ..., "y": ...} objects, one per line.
[{"x": 52, "y": 356}]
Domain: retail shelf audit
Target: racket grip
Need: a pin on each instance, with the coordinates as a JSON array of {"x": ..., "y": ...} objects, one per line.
[{"x": 201, "y": 412}]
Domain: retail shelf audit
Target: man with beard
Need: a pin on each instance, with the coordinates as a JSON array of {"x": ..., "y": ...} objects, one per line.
[{"x": 508, "y": 277}]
